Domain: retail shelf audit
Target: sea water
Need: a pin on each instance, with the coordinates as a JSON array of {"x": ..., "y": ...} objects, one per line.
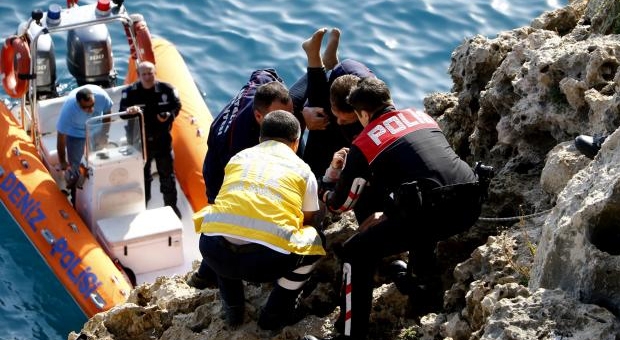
[{"x": 408, "y": 43}]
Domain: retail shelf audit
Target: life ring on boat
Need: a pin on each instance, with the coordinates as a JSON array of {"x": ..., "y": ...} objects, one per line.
[
  {"x": 143, "y": 40},
  {"x": 70, "y": 3},
  {"x": 15, "y": 85}
]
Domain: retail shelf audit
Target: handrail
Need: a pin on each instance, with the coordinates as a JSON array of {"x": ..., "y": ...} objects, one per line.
[{"x": 119, "y": 13}]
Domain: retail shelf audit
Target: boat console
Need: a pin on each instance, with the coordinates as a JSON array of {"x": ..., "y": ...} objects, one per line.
[{"x": 113, "y": 179}]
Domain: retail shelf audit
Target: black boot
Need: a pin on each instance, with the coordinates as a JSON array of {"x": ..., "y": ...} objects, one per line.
[
  {"x": 589, "y": 145},
  {"x": 425, "y": 293},
  {"x": 177, "y": 211},
  {"x": 397, "y": 272},
  {"x": 200, "y": 282},
  {"x": 170, "y": 199},
  {"x": 147, "y": 193},
  {"x": 233, "y": 315},
  {"x": 282, "y": 309}
]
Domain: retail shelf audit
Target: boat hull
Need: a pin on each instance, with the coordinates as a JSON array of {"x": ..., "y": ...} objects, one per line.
[{"x": 53, "y": 226}]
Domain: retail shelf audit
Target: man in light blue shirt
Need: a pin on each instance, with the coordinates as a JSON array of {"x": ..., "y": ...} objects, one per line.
[{"x": 82, "y": 103}]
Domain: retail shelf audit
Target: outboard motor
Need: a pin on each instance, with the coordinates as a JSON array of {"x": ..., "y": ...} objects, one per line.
[
  {"x": 89, "y": 56},
  {"x": 45, "y": 59}
]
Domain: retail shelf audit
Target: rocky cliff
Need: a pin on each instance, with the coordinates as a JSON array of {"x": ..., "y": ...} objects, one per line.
[{"x": 543, "y": 264}]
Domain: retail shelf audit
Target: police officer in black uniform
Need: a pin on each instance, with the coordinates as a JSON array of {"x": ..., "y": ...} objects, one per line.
[
  {"x": 160, "y": 104},
  {"x": 426, "y": 191}
]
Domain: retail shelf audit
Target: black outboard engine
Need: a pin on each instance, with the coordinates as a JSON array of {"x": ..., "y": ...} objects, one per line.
[
  {"x": 89, "y": 56},
  {"x": 45, "y": 59}
]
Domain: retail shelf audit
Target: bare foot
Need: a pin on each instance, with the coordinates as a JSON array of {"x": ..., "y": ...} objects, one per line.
[
  {"x": 312, "y": 46},
  {"x": 330, "y": 56}
]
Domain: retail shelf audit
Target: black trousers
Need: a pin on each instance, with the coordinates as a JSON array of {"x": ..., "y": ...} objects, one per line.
[
  {"x": 165, "y": 169},
  {"x": 256, "y": 263},
  {"x": 418, "y": 234}
]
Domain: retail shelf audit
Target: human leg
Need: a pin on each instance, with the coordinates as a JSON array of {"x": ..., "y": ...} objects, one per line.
[
  {"x": 148, "y": 178},
  {"x": 360, "y": 256},
  {"x": 423, "y": 280},
  {"x": 75, "y": 150},
  {"x": 298, "y": 95},
  {"x": 233, "y": 299},
  {"x": 321, "y": 144},
  {"x": 225, "y": 264},
  {"x": 282, "y": 307},
  {"x": 167, "y": 181},
  {"x": 452, "y": 211},
  {"x": 204, "y": 277},
  {"x": 330, "y": 55},
  {"x": 312, "y": 47},
  {"x": 315, "y": 78},
  {"x": 258, "y": 263}
]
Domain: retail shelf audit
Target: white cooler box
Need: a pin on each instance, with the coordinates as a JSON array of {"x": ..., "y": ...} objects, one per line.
[{"x": 148, "y": 241}]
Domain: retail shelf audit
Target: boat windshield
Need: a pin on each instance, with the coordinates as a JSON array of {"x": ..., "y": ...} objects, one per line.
[{"x": 112, "y": 138}]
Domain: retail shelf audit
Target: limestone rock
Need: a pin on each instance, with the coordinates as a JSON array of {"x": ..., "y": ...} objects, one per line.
[
  {"x": 579, "y": 249},
  {"x": 563, "y": 162},
  {"x": 549, "y": 314}
]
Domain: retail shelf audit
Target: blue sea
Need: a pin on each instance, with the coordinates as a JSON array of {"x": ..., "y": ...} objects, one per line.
[{"x": 408, "y": 43}]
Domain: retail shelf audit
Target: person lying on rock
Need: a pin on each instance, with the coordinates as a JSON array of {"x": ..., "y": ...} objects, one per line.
[
  {"x": 427, "y": 194},
  {"x": 259, "y": 227}
]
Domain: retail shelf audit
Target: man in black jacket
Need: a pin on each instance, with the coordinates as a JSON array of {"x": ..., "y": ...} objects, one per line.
[
  {"x": 160, "y": 104},
  {"x": 427, "y": 194},
  {"x": 237, "y": 126}
]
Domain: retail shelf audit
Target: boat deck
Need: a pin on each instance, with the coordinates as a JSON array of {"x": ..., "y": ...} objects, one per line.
[
  {"x": 191, "y": 252},
  {"x": 48, "y": 111}
]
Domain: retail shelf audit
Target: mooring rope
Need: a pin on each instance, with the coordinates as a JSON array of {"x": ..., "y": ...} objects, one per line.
[{"x": 514, "y": 218}]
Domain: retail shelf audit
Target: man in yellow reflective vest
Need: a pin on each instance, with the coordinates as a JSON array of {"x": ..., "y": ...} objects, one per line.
[{"x": 260, "y": 227}]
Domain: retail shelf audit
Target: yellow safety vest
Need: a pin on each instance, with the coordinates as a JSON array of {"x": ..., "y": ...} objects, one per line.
[{"x": 261, "y": 199}]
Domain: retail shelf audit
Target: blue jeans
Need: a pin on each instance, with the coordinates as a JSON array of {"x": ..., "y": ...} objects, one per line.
[
  {"x": 256, "y": 263},
  {"x": 75, "y": 151}
]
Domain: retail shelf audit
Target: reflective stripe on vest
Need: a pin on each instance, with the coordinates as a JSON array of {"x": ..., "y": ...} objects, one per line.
[
  {"x": 305, "y": 240},
  {"x": 261, "y": 200}
]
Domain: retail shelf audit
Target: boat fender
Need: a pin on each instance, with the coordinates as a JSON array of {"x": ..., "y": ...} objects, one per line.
[
  {"x": 143, "y": 37},
  {"x": 15, "y": 85}
]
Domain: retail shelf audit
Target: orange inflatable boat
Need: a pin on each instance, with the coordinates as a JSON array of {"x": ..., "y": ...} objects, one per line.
[{"x": 110, "y": 233}]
